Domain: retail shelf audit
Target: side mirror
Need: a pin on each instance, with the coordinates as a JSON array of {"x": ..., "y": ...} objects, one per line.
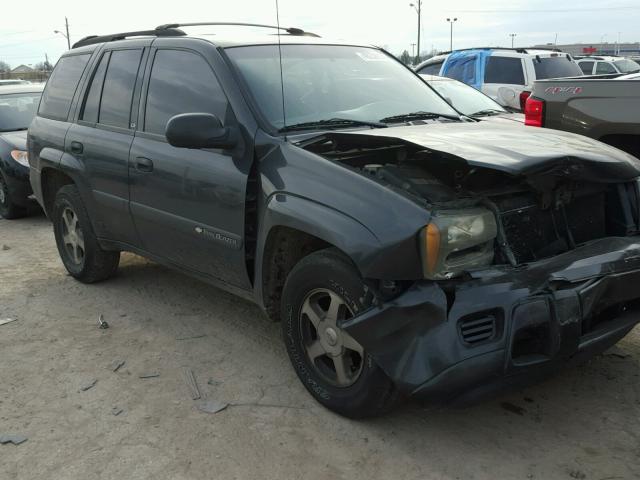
[{"x": 199, "y": 130}]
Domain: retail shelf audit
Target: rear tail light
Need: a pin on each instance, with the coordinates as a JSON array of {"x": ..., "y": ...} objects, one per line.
[
  {"x": 523, "y": 99},
  {"x": 534, "y": 112}
]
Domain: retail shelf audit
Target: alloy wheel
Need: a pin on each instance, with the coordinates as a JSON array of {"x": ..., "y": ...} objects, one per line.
[
  {"x": 72, "y": 236},
  {"x": 335, "y": 355}
]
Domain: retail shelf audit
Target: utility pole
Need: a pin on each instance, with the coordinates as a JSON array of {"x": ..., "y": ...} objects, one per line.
[
  {"x": 66, "y": 24},
  {"x": 418, "y": 8},
  {"x": 413, "y": 49},
  {"x": 451, "y": 22},
  {"x": 513, "y": 36}
]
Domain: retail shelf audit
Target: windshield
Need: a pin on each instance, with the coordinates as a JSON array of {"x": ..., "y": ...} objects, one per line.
[
  {"x": 17, "y": 110},
  {"x": 464, "y": 98},
  {"x": 323, "y": 82},
  {"x": 556, "y": 67},
  {"x": 627, "y": 66}
]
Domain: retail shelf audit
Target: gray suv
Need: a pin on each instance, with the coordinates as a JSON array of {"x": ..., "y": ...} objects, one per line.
[{"x": 407, "y": 249}]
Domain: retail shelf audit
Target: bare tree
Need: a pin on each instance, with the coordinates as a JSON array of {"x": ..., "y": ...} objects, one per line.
[
  {"x": 43, "y": 66},
  {"x": 405, "y": 58},
  {"x": 4, "y": 67}
]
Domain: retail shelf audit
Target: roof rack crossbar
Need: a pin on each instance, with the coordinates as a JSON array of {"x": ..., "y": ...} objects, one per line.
[
  {"x": 93, "y": 39},
  {"x": 518, "y": 50},
  {"x": 289, "y": 30}
]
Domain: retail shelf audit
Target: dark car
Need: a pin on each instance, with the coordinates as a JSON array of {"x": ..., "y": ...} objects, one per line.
[
  {"x": 469, "y": 101},
  {"x": 18, "y": 105},
  {"x": 406, "y": 251}
]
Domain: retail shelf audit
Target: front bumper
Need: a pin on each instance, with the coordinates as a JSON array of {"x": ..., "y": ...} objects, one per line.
[
  {"x": 17, "y": 177},
  {"x": 505, "y": 326}
]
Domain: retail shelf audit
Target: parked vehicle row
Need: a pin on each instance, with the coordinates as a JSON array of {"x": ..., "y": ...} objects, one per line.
[
  {"x": 597, "y": 65},
  {"x": 506, "y": 75},
  {"x": 383, "y": 217}
]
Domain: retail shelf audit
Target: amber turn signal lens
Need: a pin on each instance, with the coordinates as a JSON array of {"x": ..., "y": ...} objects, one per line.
[{"x": 432, "y": 239}]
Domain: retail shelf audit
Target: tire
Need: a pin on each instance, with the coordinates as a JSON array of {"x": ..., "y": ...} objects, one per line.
[
  {"x": 77, "y": 243},
  {"x": 8, "y": 208},
  {"x": 323, "y": 283}
]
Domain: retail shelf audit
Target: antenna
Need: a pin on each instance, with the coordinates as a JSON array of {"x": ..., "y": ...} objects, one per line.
[{"x": 284, "y": 115}]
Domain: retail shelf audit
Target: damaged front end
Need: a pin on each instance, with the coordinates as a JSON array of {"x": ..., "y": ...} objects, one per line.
[{"x": 529, "y": 260}]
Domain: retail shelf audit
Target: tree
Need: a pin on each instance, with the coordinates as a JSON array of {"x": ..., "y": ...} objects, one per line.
[
  {"x": 4, "y": 67},
  {"x": 405, "y": 58},
  {"x": 43, "y": 66}
]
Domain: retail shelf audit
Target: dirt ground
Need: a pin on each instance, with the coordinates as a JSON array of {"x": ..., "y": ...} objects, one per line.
[{"x": 582, "y": 424}]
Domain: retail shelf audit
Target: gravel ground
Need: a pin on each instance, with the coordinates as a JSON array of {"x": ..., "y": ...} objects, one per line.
[{"x": 582, "y": 424}]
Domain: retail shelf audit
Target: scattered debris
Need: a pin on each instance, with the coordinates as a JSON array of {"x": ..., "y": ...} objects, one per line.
[
  {"x": 212, "y": 406},
  {"x": 88, "y": 385},
  {"x": 116, "y": 411},
  {"x": 12, "y": 438},
  {"x": 190, "y": 380},
  {"x": 4, "y": 321},
  {"x": 191, "y": 336},
  {"x": 617, "y": 352},
  {"x": 510, "y": 407},
  {"x": 6, "y": 247},
  {"x": 213, "y": 382},
  {"x": 149, "y": 375},
  {"x": 117, "y": 364},
  {"x": 580, "y": 475},
  {"x": 102, "y": 323}
]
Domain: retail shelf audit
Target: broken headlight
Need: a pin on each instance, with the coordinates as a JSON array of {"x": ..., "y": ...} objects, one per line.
[{"x": 457, "y": 240}]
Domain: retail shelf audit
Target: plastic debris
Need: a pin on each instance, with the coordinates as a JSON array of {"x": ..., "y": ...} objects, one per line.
[
  {"x": 12, "y": 438},
  {"x": 102, "y": 323},
  {"x": 149, "y": 375},
  {"x": 117, "y": 364},
  {"x": 116, "y": 411},
  {"x": 89, "y": 385},
  {"x": 4, "y": 321},
  {"x": 6, "y": 247},
  {"x": 190, "y": 380},
  {"x": 212, "y": 406}
]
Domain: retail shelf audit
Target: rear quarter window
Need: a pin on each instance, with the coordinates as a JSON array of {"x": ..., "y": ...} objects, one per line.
[
  {"x": 58, "y": 94},
  {"x": 505, "y": 70},
  {"x": 555, "y": 67}
]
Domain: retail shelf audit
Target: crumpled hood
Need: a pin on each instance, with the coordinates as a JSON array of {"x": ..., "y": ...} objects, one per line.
[
  {"x": 17, "y": 140},
  {"x": 512, "y": 148}
]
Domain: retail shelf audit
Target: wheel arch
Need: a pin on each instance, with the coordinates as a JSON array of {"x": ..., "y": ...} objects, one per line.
[{"x": 292, "y": 227}]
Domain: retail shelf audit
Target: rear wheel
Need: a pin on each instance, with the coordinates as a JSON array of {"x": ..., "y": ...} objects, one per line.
[
  {"x": 322, "y": 290},
  {"x": 77, "y": 243},
  {"x": 8, "y": 208}
]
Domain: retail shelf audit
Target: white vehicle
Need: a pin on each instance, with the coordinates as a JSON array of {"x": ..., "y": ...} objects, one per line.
[
  {"x": 607, "y": 65},
  {"x": 505, "y": 74},
  {"x": 431, "y": 66}
]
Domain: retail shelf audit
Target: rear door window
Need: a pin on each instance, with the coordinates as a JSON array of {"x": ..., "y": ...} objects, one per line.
[
  {"x": 58, "y": 94},
  {"x": 603, "y": 68},
  {"x": 92, "y": 101},
  {"x": 117, "y": 92},
  {"x": 506, "y": 70},
  {"x": 555, "y": 67},
  {"x": 463, "y": 69},
  {"x": 173, "y": 91},
  {"x": 586, "y": 67}
]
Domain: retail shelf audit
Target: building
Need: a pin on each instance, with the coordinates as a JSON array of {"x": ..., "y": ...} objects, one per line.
[
  {"x": 576, "y": 49},
  {"x": 22, "y": 69}
]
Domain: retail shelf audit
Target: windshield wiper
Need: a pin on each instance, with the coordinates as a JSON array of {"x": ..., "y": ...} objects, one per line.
[
  {"x": 487, "y": 112},
  {"x": 407, "y": 117},
  {"x": 332, "y": 123}
]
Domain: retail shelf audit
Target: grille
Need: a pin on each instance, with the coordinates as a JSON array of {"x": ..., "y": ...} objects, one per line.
[{"x": 478, "y": 330}]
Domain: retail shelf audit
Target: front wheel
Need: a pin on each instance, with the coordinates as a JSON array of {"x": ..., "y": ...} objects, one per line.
[
  {"x": 323, "y": 289},
  {"x": 77, "y": 244}
]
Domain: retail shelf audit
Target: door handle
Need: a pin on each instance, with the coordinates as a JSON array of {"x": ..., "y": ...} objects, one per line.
[
  {"x": 144, "y": 164},
  {"x": 76, "y": 147}
]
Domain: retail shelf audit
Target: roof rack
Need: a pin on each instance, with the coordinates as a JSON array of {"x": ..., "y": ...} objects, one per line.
[
  {"x": 172, "y": 30},
  {"x": 93, "y": 39},
  {"x": 289, "y": 30},
  {"x": 518, "y": 50}
]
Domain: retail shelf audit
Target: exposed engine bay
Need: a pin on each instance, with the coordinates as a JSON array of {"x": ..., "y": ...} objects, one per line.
[{"x": 486, "y": 216}]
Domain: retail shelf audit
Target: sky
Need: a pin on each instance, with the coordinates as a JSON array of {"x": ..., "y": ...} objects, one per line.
[{"x": 388, "y": 23}]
